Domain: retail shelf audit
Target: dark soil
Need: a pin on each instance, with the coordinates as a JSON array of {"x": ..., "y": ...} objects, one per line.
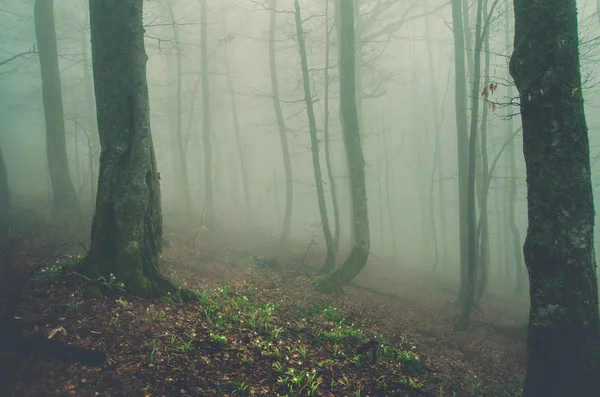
[{"x": 260, "y": 331}]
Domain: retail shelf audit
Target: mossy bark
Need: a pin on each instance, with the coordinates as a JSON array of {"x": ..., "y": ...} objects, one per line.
[
  {"x": 559, "y": 249},
  {"x": 127, "y": 226},
  {"x": 360, "y": 250},
  {"x": 63, "y": 190}
]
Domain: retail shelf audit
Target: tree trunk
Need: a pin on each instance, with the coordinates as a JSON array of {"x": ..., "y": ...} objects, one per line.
[
  {"x": 208, "y": 212},
  {"x": 314, "y": 143},
  {"x": 65, "y": 196},
  {"x": 287, "y": 161},
  {"x": 185, "y": 184},
  {"x": 388, "y": 195},
  {"x": 127, "y": 226},
  {"x": 464, "y": 319},
  {"x": 358, "y": 88},
  {"x": 559, "y": 253},
  {"x": 330, "y": 177},
  {"x": 4, "y": 187},
  {"x": 437, "y": 157},
  {"x": 236, "y": 129},
  {"x": 460, "y": 101},
  {"x": 92, "y": 132},
  {"x": 360, "y": 250},
  {"x": 520, "y": 271},
  {"x": 483, "y": 235}
]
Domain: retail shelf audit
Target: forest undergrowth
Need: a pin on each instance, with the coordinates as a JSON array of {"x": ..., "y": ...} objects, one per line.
[{"x": 260, "y": 330}]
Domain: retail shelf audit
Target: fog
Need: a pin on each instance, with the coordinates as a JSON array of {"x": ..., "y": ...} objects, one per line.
[
  {"x": 240, "y": 93},
  {"x": 400, "y": 108}
]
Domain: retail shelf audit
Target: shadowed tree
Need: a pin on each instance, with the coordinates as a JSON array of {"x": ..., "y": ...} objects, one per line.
[
  {"x": 65, "y": 196},
  {"x": 357, "y": 260},
  {"x": 564, "y": 325},
  {"x": 127, "y": 226}
]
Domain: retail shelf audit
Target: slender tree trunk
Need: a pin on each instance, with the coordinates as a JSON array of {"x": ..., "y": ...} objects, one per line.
[
  {"x": 388, "y": 195},
  {"x": 127, "y": 226},
  {"x": 4, "y": 187},
  {"x": 468, "y": 37},
  {"x": 360, "y": 250},
  {"x": 276, "y": 194},
  {"x": 314, "y": 143},
  {"x": 380, "y": 205},
  {"x": 181, "y": 152},
  {"x": 483, "y": 235},
  {"x": 564, "y": 326},
  {"x": 464, "y": 319},
  {"x": 208, "y": 213},
  {"x": 460, "y": 93},
  {"x": 287, "y": 161},
  {"x": 65, "y": 196},
  {"x": 236, "y": 129},
  {"x": 436, "y": 171},
  {"x": 330, "y": 177},
  {"x": 348, "y": 194}
]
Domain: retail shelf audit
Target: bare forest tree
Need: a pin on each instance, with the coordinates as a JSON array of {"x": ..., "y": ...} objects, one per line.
[
  {"x": 357, "y": 260},
  {"x": 127, "y": 229},
  {"x": 460, "y": 101},
  {"x": 326, "y": 133},
  {"x": 314, "y": 142},
  {"x": 65, "y": 196},
  {"x": 236, "y": 124},
  {"x": 208, "y": 210},
  {"x": 564, "y": 324},
  {"x": 179, "y": 139},
  {"x": 287, "y": 161}
]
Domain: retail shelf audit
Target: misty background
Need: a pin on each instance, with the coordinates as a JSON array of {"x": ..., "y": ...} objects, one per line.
[{"x": 407, "y": 83}]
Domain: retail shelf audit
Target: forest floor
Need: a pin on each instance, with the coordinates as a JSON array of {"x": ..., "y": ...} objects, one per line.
[{"x": 261, "y": 330}]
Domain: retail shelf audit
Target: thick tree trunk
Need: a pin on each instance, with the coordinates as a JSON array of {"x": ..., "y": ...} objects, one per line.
[
  {"x": 236, "y": 129},
  {"x": 208, "y": 212},
  {"x": 360, "y": 250},
  {"x": 65, "y": 196},
  {"x": 127, "y": 225},
  {"x": 330, "y": 177},
  {"x": 4, "y": 188},
  {"x": 559, "y": 253},
  {"x": 287, "y": 161},
  {"x": 181, "y": 151},
  {"x": 314, "y": 143},
  {"x": 460, "y": 100}
]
